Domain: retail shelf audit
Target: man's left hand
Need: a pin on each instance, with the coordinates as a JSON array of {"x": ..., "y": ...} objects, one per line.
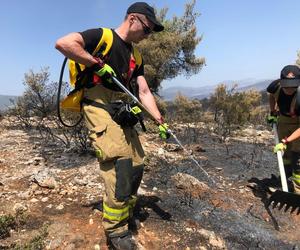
[
  {"x": 272, "y": 117},
  {"x": 280, "y": 147}
]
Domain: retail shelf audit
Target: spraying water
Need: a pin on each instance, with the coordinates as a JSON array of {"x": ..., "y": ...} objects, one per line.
[{"x": 191, "y": 157}]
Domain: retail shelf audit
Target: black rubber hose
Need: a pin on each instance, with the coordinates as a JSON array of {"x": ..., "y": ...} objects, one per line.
[{"x": 58, "y": 98}]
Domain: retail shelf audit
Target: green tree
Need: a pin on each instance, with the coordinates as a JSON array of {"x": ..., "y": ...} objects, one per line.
[{"x": 171, "y": 53}]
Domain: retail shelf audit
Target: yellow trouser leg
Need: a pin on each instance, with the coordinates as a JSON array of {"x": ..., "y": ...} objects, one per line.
[{"x": 115, "y": 212}]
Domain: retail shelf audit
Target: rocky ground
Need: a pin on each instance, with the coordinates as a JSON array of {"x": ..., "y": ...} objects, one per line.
[{"x": 55, "y": 193}]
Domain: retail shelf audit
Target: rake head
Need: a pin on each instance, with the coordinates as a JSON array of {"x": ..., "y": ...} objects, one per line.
[{"x": 281, "y": 199}]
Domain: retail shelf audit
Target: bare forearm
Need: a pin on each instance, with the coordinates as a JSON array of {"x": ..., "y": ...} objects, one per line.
[
  {"x": 295, "y": 135},
  {"x": 72, "y": 46},
  {"x": 272, "y": 102},
  {"x": 148, "y": 100}
]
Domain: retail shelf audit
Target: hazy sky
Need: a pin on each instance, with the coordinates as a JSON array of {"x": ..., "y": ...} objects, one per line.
[{"x": 241, "y": 38}]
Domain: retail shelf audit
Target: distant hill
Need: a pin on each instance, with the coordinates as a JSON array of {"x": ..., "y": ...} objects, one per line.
[
  {"x": 205, "y": 91},
  {"x": 5, "y": 101},
  {"x": 260, "y": 86},
  {"x": 191, "y": 92},
  {"x": 170, "y": 93}
]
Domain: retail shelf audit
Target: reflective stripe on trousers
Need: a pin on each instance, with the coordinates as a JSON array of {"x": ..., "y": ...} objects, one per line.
[
  {"x": 114, "y": 214},
  {"x": 296, "y": 178}
]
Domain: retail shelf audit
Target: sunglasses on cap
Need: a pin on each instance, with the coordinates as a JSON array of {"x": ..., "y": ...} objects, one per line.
[{"x": 147, "y": 30}]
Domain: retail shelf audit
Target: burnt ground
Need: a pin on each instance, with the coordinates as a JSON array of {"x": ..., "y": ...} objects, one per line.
[{"x": 179, "y": 207}]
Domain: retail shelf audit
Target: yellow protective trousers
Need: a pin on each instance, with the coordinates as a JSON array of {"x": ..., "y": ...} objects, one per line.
[
  {"x": 120, "y": 155},
  {"x": 286, "y": 126},
  {"x": 291, "y": 157}
]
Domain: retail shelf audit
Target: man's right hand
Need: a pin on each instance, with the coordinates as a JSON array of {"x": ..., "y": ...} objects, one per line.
[
  {"x": 106, "y": 72},
  {"x": 272, "y": 117}
]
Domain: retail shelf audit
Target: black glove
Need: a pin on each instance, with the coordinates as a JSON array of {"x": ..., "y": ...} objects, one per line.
[{"x": 272, "y": 117}]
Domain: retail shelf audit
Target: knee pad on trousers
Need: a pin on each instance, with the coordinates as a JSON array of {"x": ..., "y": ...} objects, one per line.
[{"x": 124, "y": 173}]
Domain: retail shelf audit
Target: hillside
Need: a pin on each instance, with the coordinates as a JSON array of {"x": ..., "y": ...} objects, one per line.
[
  {"x": 5, "y": 101},
  {"x": 204, "y": 91},
  {"x": 170, "y": 93},
  {"x": 60, "y": 193}
]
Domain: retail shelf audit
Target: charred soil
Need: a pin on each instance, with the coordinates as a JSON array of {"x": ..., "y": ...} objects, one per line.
[{"x": 179, "y": 207}]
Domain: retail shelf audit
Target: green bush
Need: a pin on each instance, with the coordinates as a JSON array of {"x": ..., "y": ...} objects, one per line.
[
  {"x": 36, "y": 109},
  {"x": 184, "y": 110},
  {"x": 7, "y": 222},
  {"x": 232, "y": 108}
]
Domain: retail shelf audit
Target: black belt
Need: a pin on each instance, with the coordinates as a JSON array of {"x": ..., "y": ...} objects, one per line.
[{"x": 110, "y": 110}]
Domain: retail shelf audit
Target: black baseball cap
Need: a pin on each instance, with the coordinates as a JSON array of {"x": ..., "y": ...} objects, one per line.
[
  {"x": 290, "y": 76},
  {"x": 148, "y": 11}
]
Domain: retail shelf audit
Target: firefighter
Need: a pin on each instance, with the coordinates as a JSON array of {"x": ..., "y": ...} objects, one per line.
[
  {"x": 283, "y": 111},
  {"x": 117, "y": 147}
]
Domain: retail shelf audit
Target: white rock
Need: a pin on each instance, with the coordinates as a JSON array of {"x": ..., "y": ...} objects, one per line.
[
  {"x": 81, "y": 182},
  {"x": 45, "y": 178},
  {"x": 33, "y": 200},
  {"x": 60, "y": 207},
  {"x": 97, "y": 247},
  {"x": 29, "y": 162},
  {"x": 213, "y": 239},
  {"x": 161, "y": 151},
  {"x": 45, "y": 199},
  {"x": 24, "y": 195}
]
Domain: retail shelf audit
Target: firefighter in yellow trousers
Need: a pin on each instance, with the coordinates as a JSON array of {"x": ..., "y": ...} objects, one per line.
[
  {"x": 284, "y": 111},
  {"x": 114, "y": 138}
]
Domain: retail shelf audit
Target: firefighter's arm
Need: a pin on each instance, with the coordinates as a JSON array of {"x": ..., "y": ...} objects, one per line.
[
  {"x": 272, "y": 117},
  {"x": 294, "y": 136},
  {"x": 272, "y": 103},
  {"x": 148, "y": 99},
  {"x": 284, "y": 142},
  {"x": 72, "y": 46}
]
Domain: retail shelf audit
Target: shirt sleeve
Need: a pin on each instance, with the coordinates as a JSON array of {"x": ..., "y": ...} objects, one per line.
[
  {"x": 273, "y": 87},
  {"x": 91, "y": 39},
  {"x": 140, "y": 70}
]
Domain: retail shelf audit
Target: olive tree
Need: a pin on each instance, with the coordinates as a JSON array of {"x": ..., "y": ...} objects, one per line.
[{"x": 171, "y": 53}]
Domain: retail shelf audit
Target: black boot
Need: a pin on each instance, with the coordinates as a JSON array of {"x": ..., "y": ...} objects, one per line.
[{"x": 125, "y": 242}]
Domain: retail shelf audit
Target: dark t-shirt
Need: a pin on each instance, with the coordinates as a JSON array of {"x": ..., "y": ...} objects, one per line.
[
  {"x": 118, "y": 56},
  {"x": 284, "y": 101}
]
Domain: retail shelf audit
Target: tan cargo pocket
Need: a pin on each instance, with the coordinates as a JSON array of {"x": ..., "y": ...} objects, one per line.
[
  {"x": 97, "y": 136},
  {"x": 109, "y": 142},
  {"x": 98, "y": 130}
]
